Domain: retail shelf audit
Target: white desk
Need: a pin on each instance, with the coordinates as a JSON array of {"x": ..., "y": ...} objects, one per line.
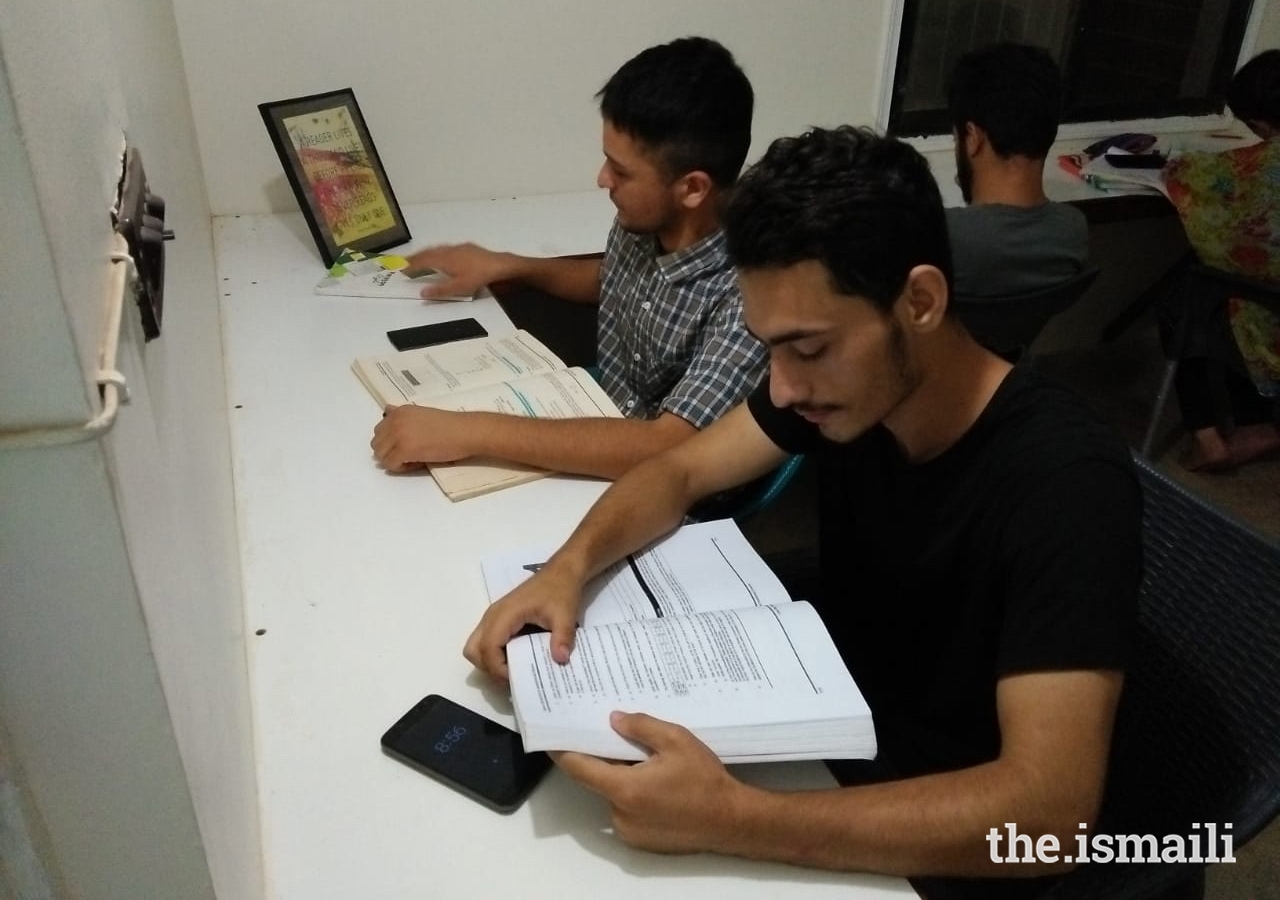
[
  {"x": 366, "y": 586},
  {"x": 1099, "y": 206}
]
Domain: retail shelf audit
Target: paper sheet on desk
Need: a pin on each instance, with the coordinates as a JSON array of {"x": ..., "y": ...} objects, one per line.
[
  {"x": 704, "y": 567},
  {"x": 358, "y": 275}
]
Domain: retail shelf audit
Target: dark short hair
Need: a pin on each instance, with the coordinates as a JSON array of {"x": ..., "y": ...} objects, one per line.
[
  {"x": 1254, "y": 92},
  {"x": 689, "y": 102},
  {"x": 865, "y": 206},
  {"x": 1013, "y": 92}
]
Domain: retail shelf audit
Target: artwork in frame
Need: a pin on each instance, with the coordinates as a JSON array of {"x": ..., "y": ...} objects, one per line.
[{"x": 334, "y": 170}]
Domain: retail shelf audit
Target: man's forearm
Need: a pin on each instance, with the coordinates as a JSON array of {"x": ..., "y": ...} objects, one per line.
[
  {"x": 573, "y": 279},
  {"x": 652, "y": 498},
  {"x": 615, "y": 526},
  {"x": 600, "y": 447},
  {"x": 1055, "y": 733},
  {"x": 646, "y": 503},
  {"x": 932, "y": 825}
]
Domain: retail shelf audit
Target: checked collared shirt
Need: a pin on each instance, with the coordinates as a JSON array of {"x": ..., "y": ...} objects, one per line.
[{"x": 671, "y": 335}]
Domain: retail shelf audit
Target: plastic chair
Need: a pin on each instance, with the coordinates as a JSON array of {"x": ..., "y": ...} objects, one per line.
[
  {"x": 1197, "y": 735},
  {"x": 1208, "y": 285},
  {"x": 1007, "y": 325},
  {"x": 768, "y": 489},
  {"x": 742, "y": 503}
]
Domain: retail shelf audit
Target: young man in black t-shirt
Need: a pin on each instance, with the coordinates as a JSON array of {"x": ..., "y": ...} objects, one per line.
[{"x": 980, "y": 546}]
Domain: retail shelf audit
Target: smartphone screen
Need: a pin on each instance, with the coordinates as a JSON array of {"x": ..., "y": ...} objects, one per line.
[{"x": 470, "y": 753}]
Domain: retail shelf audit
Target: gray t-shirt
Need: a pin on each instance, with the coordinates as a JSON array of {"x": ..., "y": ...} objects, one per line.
[{"x": 999, "y": 250}]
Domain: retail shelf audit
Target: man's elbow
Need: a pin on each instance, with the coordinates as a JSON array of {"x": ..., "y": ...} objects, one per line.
[
  {"x": 1064, "y": 826},
  {"x": 661, "y": 435},
  {"x": 1037, "y": 850},
  {"x": 1057, "y": 810}
]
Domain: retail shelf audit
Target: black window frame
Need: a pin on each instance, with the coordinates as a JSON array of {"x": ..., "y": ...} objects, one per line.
[{"x": 931, "y": 122}]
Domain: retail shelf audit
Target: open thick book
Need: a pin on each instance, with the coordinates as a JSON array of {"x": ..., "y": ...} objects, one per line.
[
  {"x": 696, "y": 630},
  {"x": 513, "y": 374}
]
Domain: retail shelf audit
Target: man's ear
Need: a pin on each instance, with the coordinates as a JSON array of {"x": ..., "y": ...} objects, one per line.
[
  {"x": 693, "y": 188},
  {"x": 975, "y": 139},
  {"x": 925, "y": 298}
]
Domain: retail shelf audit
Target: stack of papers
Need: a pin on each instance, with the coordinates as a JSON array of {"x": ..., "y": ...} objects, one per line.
[{"x": 360, "y": 275}]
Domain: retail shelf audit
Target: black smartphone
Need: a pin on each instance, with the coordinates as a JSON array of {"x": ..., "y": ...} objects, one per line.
[
  {"x": 438, "y": 333},
  {"x": 1137, "y": 160},
  {"x": 474, "y": 755},
  {"x": 1130, "y": 141}
]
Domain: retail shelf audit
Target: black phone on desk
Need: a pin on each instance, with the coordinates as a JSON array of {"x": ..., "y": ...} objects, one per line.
[
  {"x": 436, "y": 333},
  {"x": 1153, "y": 160},
  {"x": 470, "y": 753},
  {"x": 1130, "y": 142}
]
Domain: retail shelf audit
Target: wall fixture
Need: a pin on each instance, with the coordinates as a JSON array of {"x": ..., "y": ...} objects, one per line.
[{"x": 139, "y": 218}]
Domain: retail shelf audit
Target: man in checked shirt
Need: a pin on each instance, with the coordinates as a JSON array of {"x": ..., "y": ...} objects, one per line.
[{"x": 673, "y": 353}]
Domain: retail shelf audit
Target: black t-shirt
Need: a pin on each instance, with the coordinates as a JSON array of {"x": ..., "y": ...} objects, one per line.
[{"x": 1018, "y": 549}]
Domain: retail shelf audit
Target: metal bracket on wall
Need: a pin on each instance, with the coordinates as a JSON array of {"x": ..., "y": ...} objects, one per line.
[{"x": 139, "y": 218}]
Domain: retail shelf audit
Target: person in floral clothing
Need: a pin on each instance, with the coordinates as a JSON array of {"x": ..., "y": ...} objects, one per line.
[{"x": 1229, "y": 203}]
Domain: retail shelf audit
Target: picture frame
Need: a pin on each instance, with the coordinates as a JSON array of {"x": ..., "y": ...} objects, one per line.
[{"x": 333, "y": 167}]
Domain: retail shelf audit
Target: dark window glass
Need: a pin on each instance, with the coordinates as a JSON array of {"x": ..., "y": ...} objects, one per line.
[{"x": 1120, "y": 59}]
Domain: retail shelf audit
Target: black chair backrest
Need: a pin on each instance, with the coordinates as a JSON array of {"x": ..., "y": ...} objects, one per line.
[
  {"x": 1239, "y": 285},
  {"x": 1205, "y": 284},
  {"x": 1197, "y": 736},
  {"x": 1007, "y": 325}
]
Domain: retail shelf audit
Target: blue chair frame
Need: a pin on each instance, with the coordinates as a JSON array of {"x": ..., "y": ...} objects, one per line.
[{"x": 754, "y": 497}]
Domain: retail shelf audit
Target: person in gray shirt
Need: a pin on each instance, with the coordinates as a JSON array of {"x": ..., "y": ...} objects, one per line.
[{"x": 1005, "y": 101}]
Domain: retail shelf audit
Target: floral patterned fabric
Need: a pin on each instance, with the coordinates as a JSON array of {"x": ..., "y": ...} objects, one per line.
[{"x": 1230, "y": 207}]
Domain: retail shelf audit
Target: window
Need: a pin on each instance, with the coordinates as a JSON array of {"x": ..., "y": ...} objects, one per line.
[{"x": 1120, "y": 59}]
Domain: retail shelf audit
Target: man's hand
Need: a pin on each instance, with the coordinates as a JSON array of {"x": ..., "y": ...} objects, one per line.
[
  {"x": 467, "y": 268},
  {"x": 679, "y": 800},
  {"x": 410, "y": 436},
  {"x": 550, "y": 600}
]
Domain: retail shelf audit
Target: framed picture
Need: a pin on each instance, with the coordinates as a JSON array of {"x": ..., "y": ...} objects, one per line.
[{"x": 334, "y": 170}]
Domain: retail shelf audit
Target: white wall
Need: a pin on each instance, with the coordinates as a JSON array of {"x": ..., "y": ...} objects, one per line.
[
  {"x": 1269, "y": 26},
  {"x": 488, "y": 98},
  {"x": 123, "y": 684}
]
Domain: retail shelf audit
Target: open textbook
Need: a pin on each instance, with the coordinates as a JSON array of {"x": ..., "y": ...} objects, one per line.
[
  {"x": 361, "y": 275},
  {"x": 513, "y": 374},
  {"x": 696, "y": 630}
]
